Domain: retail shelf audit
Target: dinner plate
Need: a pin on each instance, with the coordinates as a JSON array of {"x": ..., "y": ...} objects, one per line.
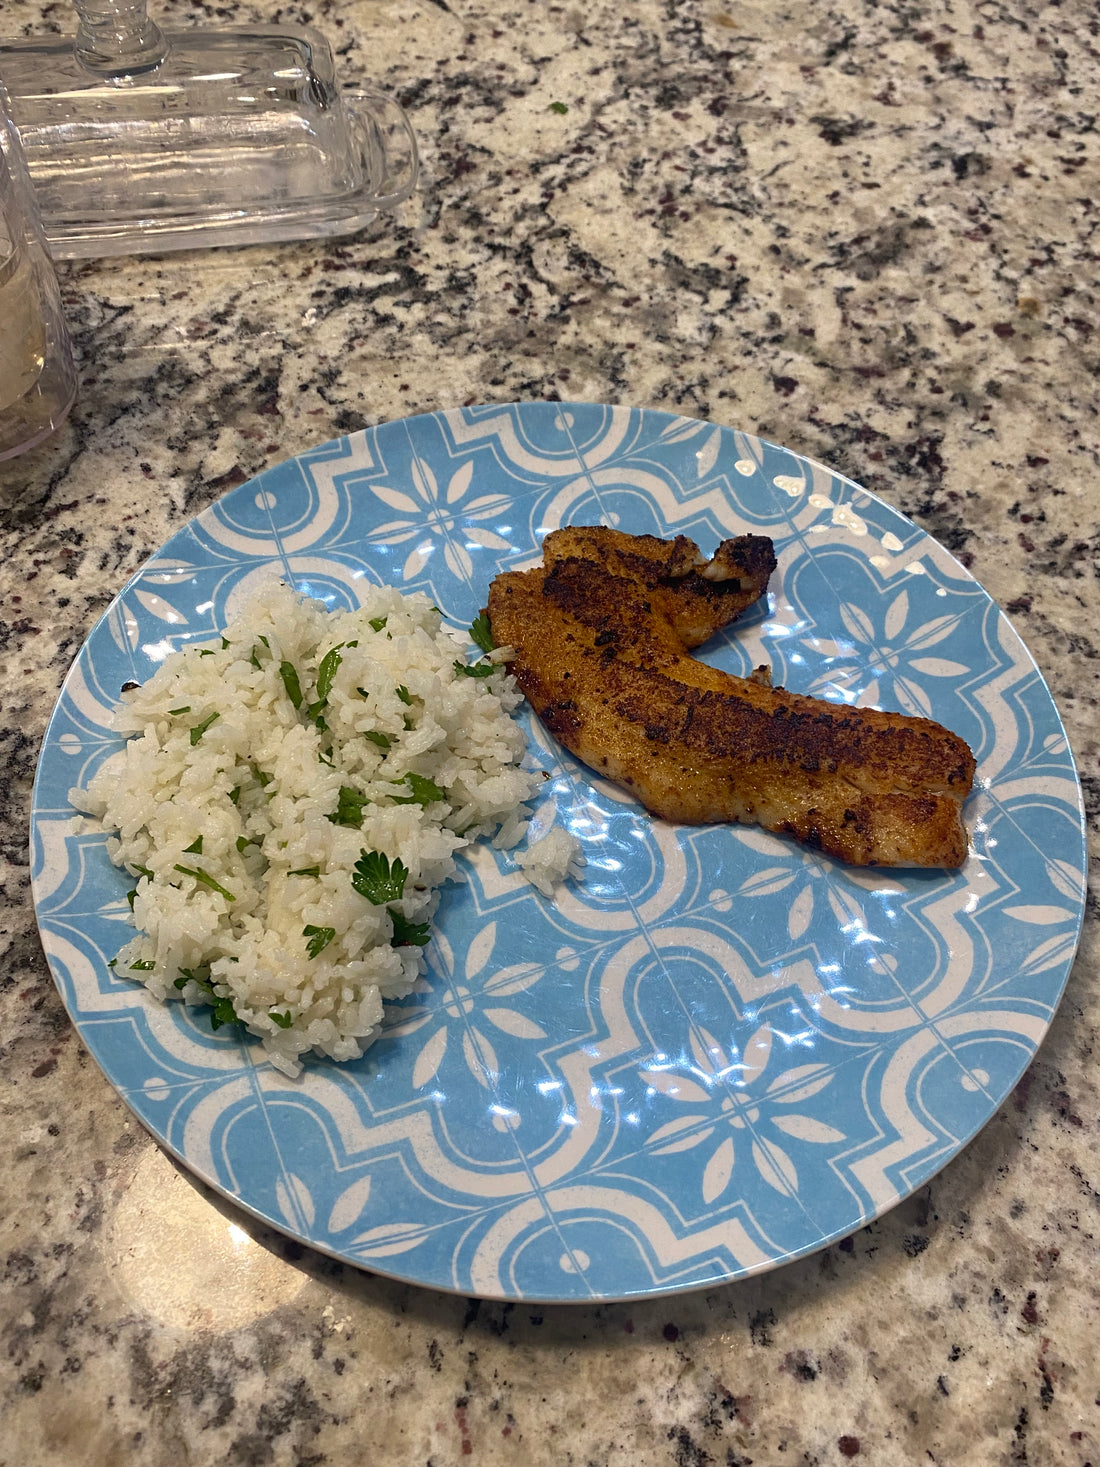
[{"x": 714, "y": 1052}]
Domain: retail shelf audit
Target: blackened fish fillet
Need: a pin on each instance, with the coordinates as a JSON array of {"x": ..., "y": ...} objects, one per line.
[{"x": 601, "y": 635}]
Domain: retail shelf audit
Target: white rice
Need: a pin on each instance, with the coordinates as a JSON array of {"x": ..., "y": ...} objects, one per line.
[
  {"x": 552, "y": 859},
  {"x": 225, "y": 777}
]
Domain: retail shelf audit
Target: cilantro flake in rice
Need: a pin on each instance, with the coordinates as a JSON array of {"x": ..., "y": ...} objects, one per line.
[{"x": 291, "y": 798}]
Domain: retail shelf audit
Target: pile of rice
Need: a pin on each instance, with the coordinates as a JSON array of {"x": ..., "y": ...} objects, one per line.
[{"x": 292, "y": 797}]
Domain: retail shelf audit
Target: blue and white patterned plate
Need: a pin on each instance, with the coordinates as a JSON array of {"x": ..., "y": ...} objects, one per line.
[{"x": 717, "y": 1052}]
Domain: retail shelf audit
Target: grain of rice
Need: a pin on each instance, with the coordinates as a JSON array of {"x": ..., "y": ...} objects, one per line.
[{"x": 550, "y": 860}]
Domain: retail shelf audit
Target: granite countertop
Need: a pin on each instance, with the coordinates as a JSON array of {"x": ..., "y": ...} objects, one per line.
[{"x": 865, "y": 231}]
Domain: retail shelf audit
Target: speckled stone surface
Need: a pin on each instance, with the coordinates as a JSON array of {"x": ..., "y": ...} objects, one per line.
[{"x": 864, "y": 230}]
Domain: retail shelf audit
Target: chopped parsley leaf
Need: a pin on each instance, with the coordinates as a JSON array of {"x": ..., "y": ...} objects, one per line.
[
  {"x": 142, "y": 965},
  {"x": 206, "y": 879},
  {"x": 424, "y": 790},
  {"x": 175, "y": 712},
  {"x": 326, "y": 674},
  {"x": 406, "y": 933},
  {"x": 284, "y": 1021},
  {"x": 223, "y": 1012},
  {"x": 349, "y": 807},
  {"x": 200, "y": 728},
  {"x": 404, "y": 694},
  {"x": 377, "y": 880},
  {"x": 201, "y": 976},
  {"x": 481, "y": 633},
  {"x": 306, "y": 871},
  {"x": 290, "y": 681},
  {"x": 376, "y": 737},
  {"x": 478, "y": 669},
  {"x": 319, "y": 938},
  {"x": 378, "y": 623},
  {"x": 195, "y": 848}
]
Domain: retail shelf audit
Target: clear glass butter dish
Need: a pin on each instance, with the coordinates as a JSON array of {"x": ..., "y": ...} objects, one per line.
[{"x": 140, "y": 140}]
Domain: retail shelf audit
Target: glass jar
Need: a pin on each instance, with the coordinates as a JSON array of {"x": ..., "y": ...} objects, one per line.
[{"x": 37, "y": 376}]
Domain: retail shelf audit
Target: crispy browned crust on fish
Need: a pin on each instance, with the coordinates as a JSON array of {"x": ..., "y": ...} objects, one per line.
[
  {"x": 600, "y": 635},
  {"x": 676, "y": 584}
]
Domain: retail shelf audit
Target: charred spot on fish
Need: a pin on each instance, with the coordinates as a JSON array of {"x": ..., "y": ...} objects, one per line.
[{"x": 561, "y": 718}]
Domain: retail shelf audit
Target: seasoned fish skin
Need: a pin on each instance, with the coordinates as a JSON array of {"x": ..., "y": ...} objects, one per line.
[
  {"x": 677, "y": 585},
  {"x": 600, "y": 650}
]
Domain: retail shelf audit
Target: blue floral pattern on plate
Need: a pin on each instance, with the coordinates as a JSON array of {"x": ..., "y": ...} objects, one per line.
[{"x": 716, "y": 1052}]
